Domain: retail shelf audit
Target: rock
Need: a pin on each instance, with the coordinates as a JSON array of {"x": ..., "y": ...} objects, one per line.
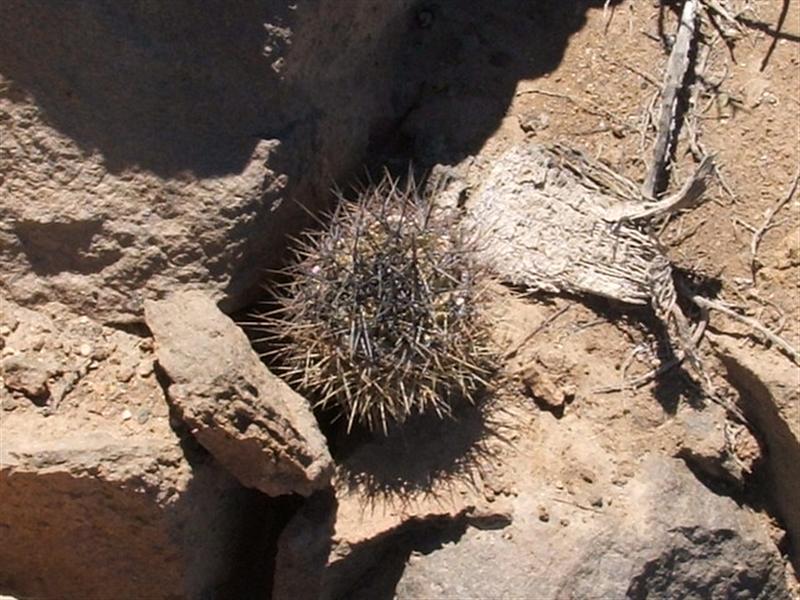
[
  {"x": 149, "y": 148},
  {"x": 541, "y": 387},
  {"x": 26, "y": 375},
  {"x": 388, "y": 496},
  {"x": 81, "y": 509},
  {"x": 720, "y": 449},
  {"x": 769, "y": 396},
  {"x": 672, "y": 539},
  {"x": 252, "y": 422},
  {"x": 96, "y": 507}
]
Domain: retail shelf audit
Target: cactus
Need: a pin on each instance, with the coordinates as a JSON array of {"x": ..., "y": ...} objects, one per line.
[{"x": 382, "y": 315}]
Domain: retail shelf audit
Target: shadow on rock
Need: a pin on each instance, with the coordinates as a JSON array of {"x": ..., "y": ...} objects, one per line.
[
  {"x": 178, "y": 88},
  {"x": 427, "y": 456}
]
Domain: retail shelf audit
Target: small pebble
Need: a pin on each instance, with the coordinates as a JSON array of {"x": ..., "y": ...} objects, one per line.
[
  {"x": 145, "y": 368},
  {"x": 85, "y": 350},
  {"x": 124, "y": 373},
  {"x": 126, "y": 414},
  {"x": 544, "y": 515},
  {"x": 5, "y": 330},
  {"x": 142, "y": 416}
]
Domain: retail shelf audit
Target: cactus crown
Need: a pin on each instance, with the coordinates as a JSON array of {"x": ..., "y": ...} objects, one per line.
[{"x": 382, "y": 313}]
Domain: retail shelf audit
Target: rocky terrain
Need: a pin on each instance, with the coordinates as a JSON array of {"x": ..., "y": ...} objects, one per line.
[{"x": 154, "y": 160}]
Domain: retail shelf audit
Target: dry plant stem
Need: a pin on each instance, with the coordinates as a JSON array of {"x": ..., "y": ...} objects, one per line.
[
  {"x": 722, "y": 11},
  {"x": 648, "y": 78},
  {"x": 597, "y": 112},
  {"x": 686, "y": 197},
  {"x": 677, "y": 68},
  {"x": 767, "y": 333},
  {"x": 758, "y": 234},
  {"x": 539, "y": 328},
  {"x": 778, "y": 27},
  {"x": 680, "y": 356}
]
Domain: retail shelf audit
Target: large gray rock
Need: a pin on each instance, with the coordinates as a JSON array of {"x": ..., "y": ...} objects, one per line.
[
  {"x": 251, "y": 421},
  {"x": 672, "y": 538},
  {"x": 147, "y": 146}
]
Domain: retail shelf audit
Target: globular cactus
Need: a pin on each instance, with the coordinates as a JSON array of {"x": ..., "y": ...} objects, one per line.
[{"x": 382, "y": 315}]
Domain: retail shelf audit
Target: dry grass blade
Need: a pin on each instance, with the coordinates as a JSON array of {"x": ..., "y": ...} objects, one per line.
[{"x": 758, "y": 234}]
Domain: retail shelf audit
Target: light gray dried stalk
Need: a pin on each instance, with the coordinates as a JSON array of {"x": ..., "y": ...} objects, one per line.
[{"x": 555, "y": 220}]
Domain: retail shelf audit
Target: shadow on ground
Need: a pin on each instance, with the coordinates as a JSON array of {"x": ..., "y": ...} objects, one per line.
[{"x": 459, "y": 70}]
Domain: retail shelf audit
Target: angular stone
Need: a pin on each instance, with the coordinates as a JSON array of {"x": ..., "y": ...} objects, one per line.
[
  {"x": 672, "y": 539},
  {"x": 722, "y": 450},
  {"x": 252, "y": 422},
  {"x": 769, "y": 395},
  {"x": 93, "y": 505},
  {"x": 25, "y": 374}
]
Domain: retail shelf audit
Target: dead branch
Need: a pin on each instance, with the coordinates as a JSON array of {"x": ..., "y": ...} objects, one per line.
[
  {"x": 752, "y": 323},
  {"x": 778, "y": 27},
  {"x": 686, "y": 197},
  {"x": 723, "y": 12},
  {"x": 677, "y": 68}
]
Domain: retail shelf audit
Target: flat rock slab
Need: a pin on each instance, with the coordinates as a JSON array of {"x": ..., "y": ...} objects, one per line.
[{"x": 252, "y": 422}]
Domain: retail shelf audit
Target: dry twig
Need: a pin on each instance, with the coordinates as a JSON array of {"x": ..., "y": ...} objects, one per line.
[
  {"x": 539, "y": 328},
  {"x": 758, "y": 234},
  {"x": 652, "y": 375},
  {"x": 677, "y": 68},
  {"x": 767, "y": 333}
]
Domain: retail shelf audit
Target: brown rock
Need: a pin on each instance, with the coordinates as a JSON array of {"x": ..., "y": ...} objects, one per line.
[
  {"x": 768, "y": 385},
  {"x": 148, "y": 147},
  {"x": 26, "y": 375},
  {"x": 251, "y": 421},
  {"x": 92, "y": 506},
  {"x": 93, "y": 515}
]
